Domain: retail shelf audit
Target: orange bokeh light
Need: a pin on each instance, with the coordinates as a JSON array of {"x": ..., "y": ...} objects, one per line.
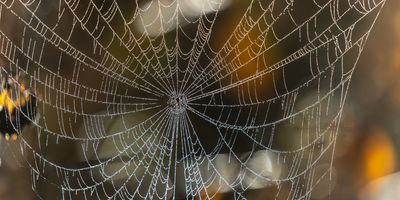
[{"x": 379, "y": 155}]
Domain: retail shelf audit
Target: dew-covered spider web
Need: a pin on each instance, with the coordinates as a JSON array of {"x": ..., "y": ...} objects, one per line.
[{"x": 182, "y": 99}]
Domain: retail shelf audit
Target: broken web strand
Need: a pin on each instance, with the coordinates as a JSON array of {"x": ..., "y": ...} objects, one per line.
[{"x": 162, "y": 84}]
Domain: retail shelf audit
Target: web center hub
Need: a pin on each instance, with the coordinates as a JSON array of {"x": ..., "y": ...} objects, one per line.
[{"x": 177, "y": 103}]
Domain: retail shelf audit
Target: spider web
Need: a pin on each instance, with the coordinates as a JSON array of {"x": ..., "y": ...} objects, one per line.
[{"x": 174, "y": 99}]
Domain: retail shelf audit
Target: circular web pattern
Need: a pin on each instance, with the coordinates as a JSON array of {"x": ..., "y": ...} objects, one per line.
[{"x": 174, "y": 99}]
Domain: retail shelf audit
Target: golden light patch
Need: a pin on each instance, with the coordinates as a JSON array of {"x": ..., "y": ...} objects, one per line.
[
  {"x": 14, "y": 136},
  {"x": 246, "y": 59},
  {"x": 378, "y": 155},
  {"x": 208, "y": 194}
]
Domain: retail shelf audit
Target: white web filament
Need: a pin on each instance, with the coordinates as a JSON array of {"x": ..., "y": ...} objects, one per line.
[{"x": 183, "y": 99}]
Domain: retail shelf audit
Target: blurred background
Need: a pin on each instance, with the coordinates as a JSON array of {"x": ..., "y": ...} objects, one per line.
[{"x": 367, "y": 154}]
